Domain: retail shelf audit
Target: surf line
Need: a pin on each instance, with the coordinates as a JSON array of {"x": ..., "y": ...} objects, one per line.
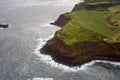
[{"x": 48, "y": 59}]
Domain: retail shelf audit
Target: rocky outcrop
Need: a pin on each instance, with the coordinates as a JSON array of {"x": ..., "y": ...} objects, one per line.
[
  {"x": 4, "y": 26},
  {"x": 88, "y": 50},
  {"x": 79, "y": 6},
  {"x": 62, "y": 53},
  {"x": 59, "y": 51},
  {"x": 62, "y": 20}
]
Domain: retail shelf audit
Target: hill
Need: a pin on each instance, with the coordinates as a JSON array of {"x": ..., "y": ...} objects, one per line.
[{"x": 91, "y": 31}]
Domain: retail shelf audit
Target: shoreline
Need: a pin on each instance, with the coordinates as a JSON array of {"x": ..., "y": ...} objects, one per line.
[
  {"x": 47, "y": 59},
  {"x": 63, "y": 55}
]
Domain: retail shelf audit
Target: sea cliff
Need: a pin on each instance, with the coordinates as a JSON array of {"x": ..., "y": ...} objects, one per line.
[{"x": 83, "y": 44}]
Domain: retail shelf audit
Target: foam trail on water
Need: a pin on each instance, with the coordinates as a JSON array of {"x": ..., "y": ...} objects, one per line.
[
  {"x": 37, "y": 78},
  {"x": 47, "y": 25}
]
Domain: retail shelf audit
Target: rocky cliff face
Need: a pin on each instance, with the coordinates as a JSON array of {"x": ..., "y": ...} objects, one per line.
[
  {"x": 62, "y": 53},
  {"x": 62, "y": 20},
  {"x": 65, "y": 54},
  {"x": 79, "y": 6},
  {"x": 59, "y": 51}
]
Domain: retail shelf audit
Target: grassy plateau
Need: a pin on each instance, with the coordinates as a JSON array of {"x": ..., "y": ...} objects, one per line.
[
  {"x": 92, "y": 25},
  {"x": 92, "y": 32}
]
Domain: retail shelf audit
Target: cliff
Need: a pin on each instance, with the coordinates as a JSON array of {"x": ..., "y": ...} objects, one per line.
[
  {"x": 77, "y": 42},
  {"x": 62, "y": 53},
  {"x": 62, "y": 20}
]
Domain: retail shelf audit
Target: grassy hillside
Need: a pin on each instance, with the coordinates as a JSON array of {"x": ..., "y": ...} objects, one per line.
[
  {"x": 92, "y": 25},
  {"x": 91, "y": 31}
]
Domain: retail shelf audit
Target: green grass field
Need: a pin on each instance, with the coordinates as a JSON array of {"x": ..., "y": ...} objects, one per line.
[
  {"x": 114, "y": 8},
  {"x": 90, "y": 25},
  {"x": 97, "y": 3},
  {"x": 116, "y": 17}
]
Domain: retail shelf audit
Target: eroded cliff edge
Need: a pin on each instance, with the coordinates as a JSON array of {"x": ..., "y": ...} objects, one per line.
[
  {"x": 89, "y": 50},
  {"x": 62, "y": 53}
]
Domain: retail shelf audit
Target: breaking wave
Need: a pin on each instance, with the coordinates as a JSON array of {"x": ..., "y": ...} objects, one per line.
[
  {"x": 37, "y": 78},
  {"x": 48, "y": 60}
]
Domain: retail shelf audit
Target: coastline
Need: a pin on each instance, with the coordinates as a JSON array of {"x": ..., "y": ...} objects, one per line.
[
  {"x": 62, "y": 54},
  {"x": 48, "y": 59}
]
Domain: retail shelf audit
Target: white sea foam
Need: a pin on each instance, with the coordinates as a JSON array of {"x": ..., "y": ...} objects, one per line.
[
  {"x": 37, "y": 78},
  {"x": 109, "y": 62},
  {"x": 48, "y": 60},
  {"x": 47, "y": 24},
  {"x": 1, "y": 28}
]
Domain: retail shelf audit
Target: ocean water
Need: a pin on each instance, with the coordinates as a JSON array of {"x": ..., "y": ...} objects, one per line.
[{"x": 29, "y": 30}]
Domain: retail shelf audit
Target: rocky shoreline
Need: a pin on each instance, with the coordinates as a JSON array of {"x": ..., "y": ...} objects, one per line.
[{"x": 63, "y": 54}]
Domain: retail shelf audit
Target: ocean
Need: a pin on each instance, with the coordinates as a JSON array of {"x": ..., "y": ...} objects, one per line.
[{"x": 28, "y": 31}]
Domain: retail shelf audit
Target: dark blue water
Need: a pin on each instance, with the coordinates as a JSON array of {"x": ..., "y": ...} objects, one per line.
[{"x": 29, "y": 26}]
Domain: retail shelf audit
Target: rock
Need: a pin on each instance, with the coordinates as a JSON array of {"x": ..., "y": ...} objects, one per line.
[
  {"x": 63, "y": 54},
  {"x": 61, "y": 21},
  {"x": 4, "y": 25},
  {"x": 79, "y": 6}
]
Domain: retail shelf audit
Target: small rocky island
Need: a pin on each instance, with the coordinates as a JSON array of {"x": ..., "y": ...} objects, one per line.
[
  {"x": 4, "y": 25},
  {"x": 91, "y": 31}
]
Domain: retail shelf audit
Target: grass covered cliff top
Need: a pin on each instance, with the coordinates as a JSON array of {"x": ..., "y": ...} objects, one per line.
[
  {"x": 90, "y": 32},
  {"x": 96, "y": 21}
]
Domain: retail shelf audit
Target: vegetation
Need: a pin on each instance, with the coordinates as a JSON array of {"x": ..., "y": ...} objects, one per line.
[
  {"x": 91, "y": 25},
  {"x": 114, "y": 9},
  {"x": 116, "y": 17},
  {"x": 97, "y": 3},
  {"x": 92, "y": 32}
]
